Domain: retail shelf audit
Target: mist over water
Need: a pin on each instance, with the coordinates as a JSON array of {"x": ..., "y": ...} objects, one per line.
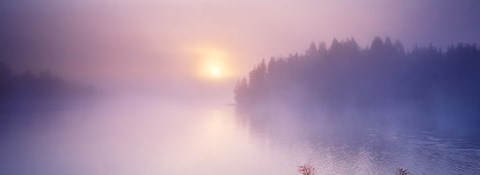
[
  {"x": 151, "y": 136},
  {"x": 140, "y": 87},
  {"x": 136, "y": 137}
]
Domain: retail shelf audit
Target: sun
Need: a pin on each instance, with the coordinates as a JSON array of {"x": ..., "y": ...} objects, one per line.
[
  {"x": 213, "y": 64},
  {"x": 215, "y": 71}
]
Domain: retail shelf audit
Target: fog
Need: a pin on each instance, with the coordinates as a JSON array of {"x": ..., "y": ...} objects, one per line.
[
  {"x": 231, "y": 87},
  {"x": 148, "y": 137},
  {"x": 120, "y": 43}
]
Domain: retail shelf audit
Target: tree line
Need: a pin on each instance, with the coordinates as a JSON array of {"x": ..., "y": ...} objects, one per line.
[
  {"x": 28, "y": 88},
  {"x": 383, "y": 75}
]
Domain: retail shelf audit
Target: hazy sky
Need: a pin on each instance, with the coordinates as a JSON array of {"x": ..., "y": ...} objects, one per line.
[{"x": 162, "y": 40}]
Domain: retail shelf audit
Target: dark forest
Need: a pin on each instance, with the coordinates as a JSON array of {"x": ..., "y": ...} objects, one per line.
[
  {"x": 29, "y": 91},
  {"x": 426, "y": 87}
]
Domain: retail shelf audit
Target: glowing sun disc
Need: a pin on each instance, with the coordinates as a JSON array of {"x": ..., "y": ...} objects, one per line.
[
  {"x": 215, "y": 71},
  {"x": 213, "y": 64}
]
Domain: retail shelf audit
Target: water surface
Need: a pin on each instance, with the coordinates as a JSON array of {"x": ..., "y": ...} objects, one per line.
[{"x": 158, "y": 137}]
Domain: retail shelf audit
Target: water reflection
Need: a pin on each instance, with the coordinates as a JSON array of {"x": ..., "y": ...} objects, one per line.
[
  {"x": 162, "y": 138},
  {"x": 340, "y": 150},
  {"x": 136, "y": 138}
]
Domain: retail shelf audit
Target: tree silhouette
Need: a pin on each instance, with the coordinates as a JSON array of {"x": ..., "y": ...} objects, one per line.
[
  {"x": 30, "y": 88},
  {"x": 380, "y": 76}
]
